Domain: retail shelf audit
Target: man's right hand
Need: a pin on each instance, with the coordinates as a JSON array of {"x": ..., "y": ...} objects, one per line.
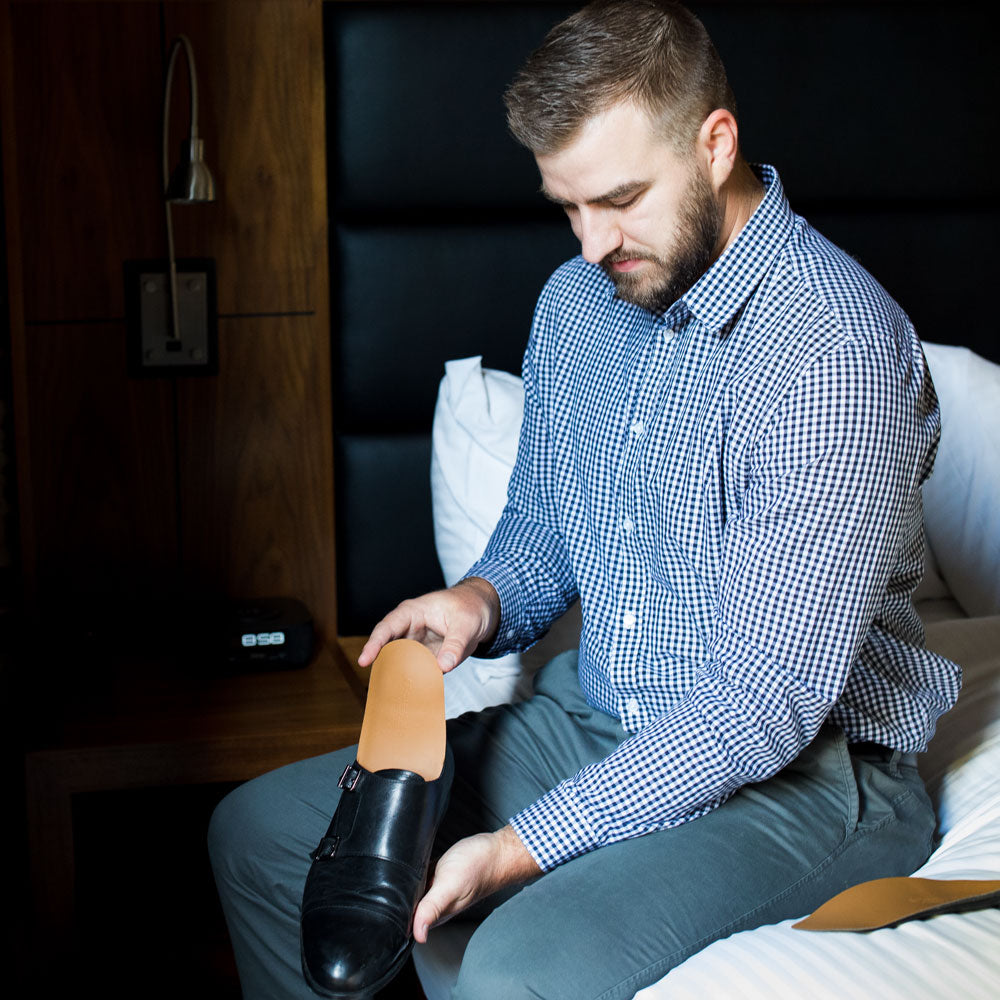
[{"x": 450, "y": 623}]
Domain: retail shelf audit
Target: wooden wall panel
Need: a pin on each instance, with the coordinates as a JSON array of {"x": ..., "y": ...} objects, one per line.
[
  {"x": 103, "y": 470},
  {"x": 251, "y": 512},
  {"x": 23, "y": 537},
  {"x": 87, "y": 117},
  {"x": 256, "y": 485},
  {"x": 260, "y": 72}
]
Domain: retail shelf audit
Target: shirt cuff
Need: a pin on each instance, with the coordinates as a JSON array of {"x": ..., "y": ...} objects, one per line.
[
  {"x": 513, "y": 619},
  {"x": 555, "y": 829}
]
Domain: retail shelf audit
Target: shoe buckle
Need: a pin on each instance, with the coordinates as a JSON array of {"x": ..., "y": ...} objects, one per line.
[
  {"x": 327, "y": 848},
  {"x": 350, "y": 777}
]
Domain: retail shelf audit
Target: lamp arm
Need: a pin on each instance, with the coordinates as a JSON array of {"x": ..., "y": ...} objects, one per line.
[{"x": 179, "y": 41}]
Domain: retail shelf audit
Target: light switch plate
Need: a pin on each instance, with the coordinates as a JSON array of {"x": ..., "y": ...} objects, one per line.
[{"x": 152, "y": 348}]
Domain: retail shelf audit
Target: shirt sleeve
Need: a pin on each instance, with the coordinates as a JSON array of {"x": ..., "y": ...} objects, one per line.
[
  {"x": 526, "y": 559},
  {"x": 806, "y": 559}
]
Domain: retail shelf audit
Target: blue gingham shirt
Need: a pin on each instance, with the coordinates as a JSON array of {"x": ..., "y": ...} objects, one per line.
[{"x": 732, "y": 490}]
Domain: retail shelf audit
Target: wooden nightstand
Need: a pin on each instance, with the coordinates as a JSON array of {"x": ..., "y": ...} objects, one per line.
[{"x": 154, "y": 725}]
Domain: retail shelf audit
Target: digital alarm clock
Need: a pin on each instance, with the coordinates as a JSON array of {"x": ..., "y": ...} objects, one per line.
[{"x": 267, "y": 633}]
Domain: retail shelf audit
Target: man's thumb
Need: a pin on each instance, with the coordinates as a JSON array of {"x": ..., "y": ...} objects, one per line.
[
  {"x": 450, "y": 654},
  {"x": 426, "y": 916}
]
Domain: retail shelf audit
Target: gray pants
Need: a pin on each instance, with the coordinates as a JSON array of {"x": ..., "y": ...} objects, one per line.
[{"x": 610, "y": 922}]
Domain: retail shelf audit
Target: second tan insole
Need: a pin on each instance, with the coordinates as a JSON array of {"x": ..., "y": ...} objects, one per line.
[
  {"x": 404, "y": 724},
  {"x": 884, "y": 902}
]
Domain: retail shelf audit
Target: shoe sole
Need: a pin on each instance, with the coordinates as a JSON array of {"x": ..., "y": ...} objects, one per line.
[{"x": 404, "y": 725}]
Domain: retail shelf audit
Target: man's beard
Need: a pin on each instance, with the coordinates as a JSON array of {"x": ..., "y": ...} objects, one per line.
[{"x": 658, "y": 287}]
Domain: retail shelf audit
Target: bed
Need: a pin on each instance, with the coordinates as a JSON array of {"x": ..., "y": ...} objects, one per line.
[{"x": 439, "y": 246}]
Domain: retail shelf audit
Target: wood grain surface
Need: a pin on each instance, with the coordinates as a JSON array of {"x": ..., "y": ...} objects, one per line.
[
  {"x": 220, "y": 484},
  {"x": 255, "y": 450}
]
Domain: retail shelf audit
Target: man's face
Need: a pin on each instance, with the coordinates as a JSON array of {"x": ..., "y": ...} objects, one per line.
[{"x": 648, "y": 216}]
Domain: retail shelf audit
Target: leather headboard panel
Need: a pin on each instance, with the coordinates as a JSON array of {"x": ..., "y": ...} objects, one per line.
[
  {"x": 417, "y": 94},
  {"x": 877, "y": 115},
  {"x": 385, "y": 548},
  {"x": 862, "y": 102},
  {"x": 412, "y": 297}
]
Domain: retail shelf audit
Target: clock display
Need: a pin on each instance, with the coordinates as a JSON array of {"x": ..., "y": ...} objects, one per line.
[{"x": 250, "y": 639}]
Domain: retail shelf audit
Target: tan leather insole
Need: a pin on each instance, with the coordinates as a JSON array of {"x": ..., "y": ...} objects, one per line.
[
  {"x": 886, "y": 901},
  {"x": 404, "y": 723}
]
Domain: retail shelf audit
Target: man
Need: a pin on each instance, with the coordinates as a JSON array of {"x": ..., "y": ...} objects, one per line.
[{"x": 726, "y": 425}]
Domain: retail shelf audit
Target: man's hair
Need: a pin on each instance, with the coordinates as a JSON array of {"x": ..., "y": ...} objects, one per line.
[{"x": 654, "y": 53}]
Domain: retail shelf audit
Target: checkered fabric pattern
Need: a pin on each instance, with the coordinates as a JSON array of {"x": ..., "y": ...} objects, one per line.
[{"x": 732, "y": 489}]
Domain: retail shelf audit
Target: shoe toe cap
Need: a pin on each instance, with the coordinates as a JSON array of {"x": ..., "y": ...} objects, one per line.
[{"x": 347, "y": 953}]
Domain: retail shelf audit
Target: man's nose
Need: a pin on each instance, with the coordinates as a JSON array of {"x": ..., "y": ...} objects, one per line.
[{"x": 599, "y": 235}]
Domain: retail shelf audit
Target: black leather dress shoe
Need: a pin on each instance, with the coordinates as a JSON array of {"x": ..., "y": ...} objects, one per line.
[{"x": 367, "y": 876}]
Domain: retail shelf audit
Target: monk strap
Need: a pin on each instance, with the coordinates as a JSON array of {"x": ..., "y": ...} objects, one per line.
[
  {"x": 349, "y": 779},
  {"x": 327, "y": 849}
]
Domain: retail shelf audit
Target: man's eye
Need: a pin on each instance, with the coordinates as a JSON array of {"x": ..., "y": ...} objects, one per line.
[{"x": 626, "y": 203}]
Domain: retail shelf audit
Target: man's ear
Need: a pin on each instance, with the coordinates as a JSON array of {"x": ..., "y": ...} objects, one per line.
[{"x": 718, "y": 145}]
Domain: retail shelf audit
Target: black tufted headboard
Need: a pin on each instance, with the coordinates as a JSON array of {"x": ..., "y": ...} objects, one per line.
[{"x": 879, "y": 117}]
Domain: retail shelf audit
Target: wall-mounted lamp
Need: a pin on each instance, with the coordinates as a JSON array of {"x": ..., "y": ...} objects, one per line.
[
  {"x": 192, "y": 181},
  {"x": 171, "y": 310}
]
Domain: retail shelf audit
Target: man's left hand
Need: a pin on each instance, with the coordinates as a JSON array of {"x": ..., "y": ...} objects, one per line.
[{"x": 469, "y": 871}]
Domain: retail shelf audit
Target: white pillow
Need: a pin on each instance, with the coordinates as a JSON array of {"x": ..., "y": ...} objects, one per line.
[
  {"x": 962, "y": 496},
  {"x": 477, "y": 422}
]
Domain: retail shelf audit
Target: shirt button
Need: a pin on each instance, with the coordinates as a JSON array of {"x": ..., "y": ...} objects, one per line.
[
  {"x": 638, "y": 427},
  {"x": 628, "y": 620},
  {"x": 627, "y": 525},
  {"x": 632, "y": 707}
]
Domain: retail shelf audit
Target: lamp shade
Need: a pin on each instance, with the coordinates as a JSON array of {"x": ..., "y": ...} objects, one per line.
[{"x": 191, "y": 181}]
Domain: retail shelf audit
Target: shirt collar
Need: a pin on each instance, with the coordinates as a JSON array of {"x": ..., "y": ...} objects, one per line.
[{"x": 720, "y": 293}]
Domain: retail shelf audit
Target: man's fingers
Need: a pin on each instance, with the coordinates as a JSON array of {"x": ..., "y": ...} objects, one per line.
[
  {"x": 449, "y": 623},
  {"x": 398, "y": 624},
  {"x": 368, "y": 653},
  {"x": 373, "y": 647},
  {"x": 379, "y": 637}
]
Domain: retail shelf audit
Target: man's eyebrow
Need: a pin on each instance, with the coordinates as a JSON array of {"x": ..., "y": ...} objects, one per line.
[{"x": 622, "y": 191}]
